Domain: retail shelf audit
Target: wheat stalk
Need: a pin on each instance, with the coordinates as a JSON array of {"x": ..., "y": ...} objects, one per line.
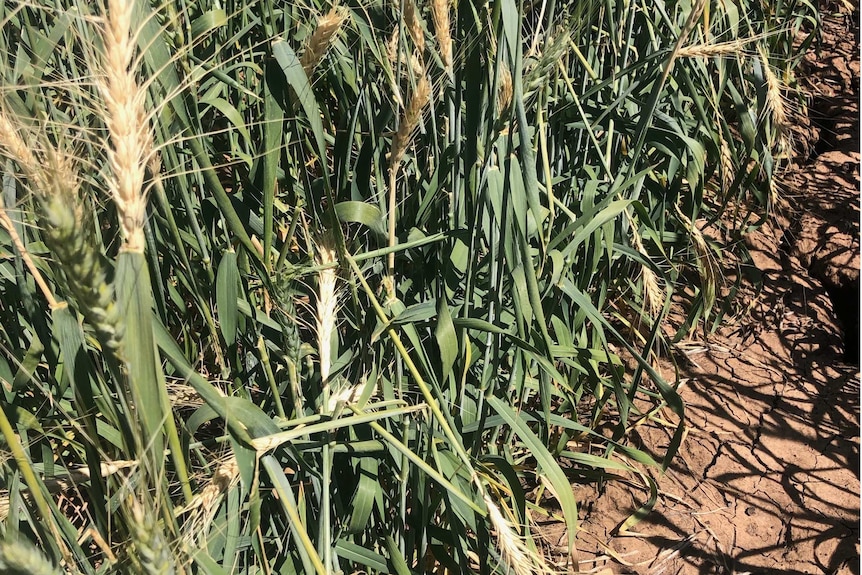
[
  {"x": 327, "y": 27},
  {"x": 127, "y": 122},
  {"x": 443, "y": 31}
]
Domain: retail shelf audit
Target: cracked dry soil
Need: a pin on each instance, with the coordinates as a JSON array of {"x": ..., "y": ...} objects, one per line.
[{"x": 767, "y": 478}]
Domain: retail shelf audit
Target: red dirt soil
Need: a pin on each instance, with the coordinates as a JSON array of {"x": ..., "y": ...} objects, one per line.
[{"x": 767, "y": 478}]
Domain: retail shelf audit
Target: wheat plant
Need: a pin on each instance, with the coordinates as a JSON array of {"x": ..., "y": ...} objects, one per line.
[{"x": 341, "y": 288}]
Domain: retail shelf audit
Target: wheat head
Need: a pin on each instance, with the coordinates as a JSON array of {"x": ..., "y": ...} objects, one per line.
[
  {"x": 72, "y": 240},
  {"x": 127, "y": 122},
  {"x": 204, "y": 505},
  {"x": 17, "y": 558},
  {"x": 152, "y": 554},
  {"x": 710, "y": 275},
  {"x": 409, "y": 121},
  {"x": 518, "y": 557},
  {"x": 775, "y": 106},
  {"x": 728, "y": 171},
  {"x": 408, "y": 124},
  {"x": 327, "y": 306},
  {"x": 16, "y": 148},
  {"x": 443, "y": 31},
  {"x": 327, "y": 27},
  {"x": 412, "y": 21},
  {"x": 13, "y": 145},
  {"x": 505, "y": 91},
  {"x": 734, "y": 47},
  {"x": 652, "y": 293}
]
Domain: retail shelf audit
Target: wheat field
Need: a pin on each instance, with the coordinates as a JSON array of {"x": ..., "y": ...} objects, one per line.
[{"x": 361, "y": 287}]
